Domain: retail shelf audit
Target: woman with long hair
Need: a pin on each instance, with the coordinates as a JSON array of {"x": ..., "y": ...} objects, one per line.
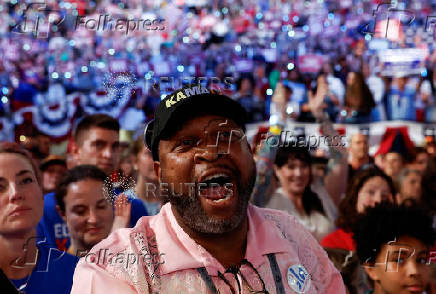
[
  {"x": 359, "y": 100},
  {"x": 367, "y": 188},
  {"x": 27, "y": 262},
  {"x": 293, "y": 168}
]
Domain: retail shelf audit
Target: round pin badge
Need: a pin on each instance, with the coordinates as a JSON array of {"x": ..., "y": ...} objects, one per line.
[{"x": 298, "y": 278}]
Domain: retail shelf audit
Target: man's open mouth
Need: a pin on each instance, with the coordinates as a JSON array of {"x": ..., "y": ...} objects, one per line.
[{"x": 217, "y": 187}]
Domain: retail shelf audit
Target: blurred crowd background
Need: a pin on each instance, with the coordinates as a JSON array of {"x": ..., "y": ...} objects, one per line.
[{"x": 61, "y": 60}]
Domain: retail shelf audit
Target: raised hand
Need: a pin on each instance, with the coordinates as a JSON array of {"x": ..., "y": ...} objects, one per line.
[
  {"x": 122, "y": 211},
  {"x": 316, "y": 101}
]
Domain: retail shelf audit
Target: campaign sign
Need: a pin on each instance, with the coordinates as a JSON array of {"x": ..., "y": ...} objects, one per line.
[
  {"x": 310, "y": 63},
  {"x": 402, "y": 62}
]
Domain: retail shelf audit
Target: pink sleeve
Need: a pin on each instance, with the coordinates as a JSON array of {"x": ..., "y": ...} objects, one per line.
[
  {"x": 327, "y": 274},
  {"x": 91, "y": 279},
  {"x": 336, "y": 285}
]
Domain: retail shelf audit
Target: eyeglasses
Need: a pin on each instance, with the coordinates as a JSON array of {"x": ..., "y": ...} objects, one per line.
[{"x": 235, "y": 271}]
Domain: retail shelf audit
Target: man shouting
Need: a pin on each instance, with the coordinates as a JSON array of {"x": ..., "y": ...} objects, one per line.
[{"x": 208, "y": 238}]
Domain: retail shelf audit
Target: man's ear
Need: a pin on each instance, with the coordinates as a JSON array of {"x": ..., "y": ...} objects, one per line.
[
  {"x": 61, "y": 213},
  {"x": 156, "y": 167},
  {"x": 75, "y": 151}
]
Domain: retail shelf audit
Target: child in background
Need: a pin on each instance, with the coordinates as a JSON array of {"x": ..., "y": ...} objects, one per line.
[{"x": 393, "y": 245}]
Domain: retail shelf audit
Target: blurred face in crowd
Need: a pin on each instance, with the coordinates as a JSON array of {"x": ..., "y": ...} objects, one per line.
[
  {"x": 379, "y": 161},
  {"x": 373, "y": 191},
  {"x": 144, "y": 164},
  {"x": 401, "y": 82},
  {"x": 126, "y": 166},
  {"x": 410, "y": 187},
  {"x": 189, "y": 156},
  {"x": 245, "y": 86},
  {"x": 294, "y": 176},
  {"x": 43, "y": 144},
  {"x": 89, "y": 216},
  {"x": 400, "y": 267},
  {"x": 393, "y": 163},
  {"x": 52, "y": 175},
  {"x": 21, "y": 198},
  {"x": 359, "y": 147},
  {"x": 99, "y": 147},
  {"x": 421, "y": 161}
]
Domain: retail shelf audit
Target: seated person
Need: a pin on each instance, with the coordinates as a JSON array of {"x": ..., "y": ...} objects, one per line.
[
  {"x": 86, "y": 211},
  {"x": 393, "y": 245},
  {"x": 25, "y": 259}
]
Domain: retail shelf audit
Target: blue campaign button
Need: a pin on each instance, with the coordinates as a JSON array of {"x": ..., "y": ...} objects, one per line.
[{"x": 298, "y": 278}]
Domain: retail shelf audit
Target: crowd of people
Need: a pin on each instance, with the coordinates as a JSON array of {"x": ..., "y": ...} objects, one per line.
[
  {"x": 241, "y": 47},
  {"x": 193, "y": 205},
  {"x": 360, "y": 210}
]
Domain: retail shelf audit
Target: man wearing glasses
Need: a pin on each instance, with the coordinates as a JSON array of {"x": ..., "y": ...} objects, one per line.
[{"x": 208, "y": 238}]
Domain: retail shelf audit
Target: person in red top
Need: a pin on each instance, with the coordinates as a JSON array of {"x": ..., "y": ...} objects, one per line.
[{"x": 367, "y": 188}]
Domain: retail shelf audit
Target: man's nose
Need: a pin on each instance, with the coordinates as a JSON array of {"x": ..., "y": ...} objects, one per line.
[
  {"x": 107, "y": 152},
  {"x": 207, "y": 154}
]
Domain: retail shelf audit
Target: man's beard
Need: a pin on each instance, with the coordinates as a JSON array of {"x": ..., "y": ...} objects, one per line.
[{"x": 193, "y": 215}]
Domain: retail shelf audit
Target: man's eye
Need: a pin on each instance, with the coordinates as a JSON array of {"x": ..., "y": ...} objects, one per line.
[
  {"x": 187, "y": 142},
  {"x": 99, "y": 145},
  {"x": 422, "y": 260},
  {"x": 27, "y": 181}
]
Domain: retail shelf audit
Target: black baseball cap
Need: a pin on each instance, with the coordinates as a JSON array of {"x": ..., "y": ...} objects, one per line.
[{"x": 185, "y": 103}]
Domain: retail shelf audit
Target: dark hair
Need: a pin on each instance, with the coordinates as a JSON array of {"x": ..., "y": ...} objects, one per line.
[
  {"x": 398, "y": 221},
  {"x": 358, "y": 95},
  {"x": 347, "y": 263},
  {"x": 14, "y": 148},
  {"x": 77, "y": 174},
  {"x": 419, "y": 150},
  {"x": 310, "y": 199},
  {"x": 429, "y": 184},
  {"x": 95, "y": 121},
  {"x": 347, "y": 208},
  {"x": 248, "y": 77}
]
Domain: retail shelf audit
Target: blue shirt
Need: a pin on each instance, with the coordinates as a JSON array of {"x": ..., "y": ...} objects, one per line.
[
  {"x": 401, "y": 104},
  {"x": 53, "y": 272},
  {"x": 55, "y": 230}
]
